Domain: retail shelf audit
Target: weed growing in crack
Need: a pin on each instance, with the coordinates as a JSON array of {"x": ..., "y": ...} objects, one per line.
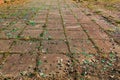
[
  {"x": 86, "y": 62},
  {"x": 30, "y": 22},
  {"x": 41, "y": 35},
  {"x": 14, "y": 30},
  {"x": 39, "y": 62},
  {"x": 49, "y": 38},
  {"x": 13, "y": 14},
  {"x": 86, "y": 54},
  {"x": 112, "y": 56},
  {"x": 13, "y": 22}
]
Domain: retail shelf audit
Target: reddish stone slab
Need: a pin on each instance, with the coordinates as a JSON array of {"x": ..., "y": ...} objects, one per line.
[
  {"x": 73, "y": 28},
  {"x": 79, "y": 46},
  {"x": 106, "y": 46},
  {"x": 34, "y": 27},
  {"x": 17, "y": 64},
  {"x": 18, "y": 25},
  {"x": 94, "y": 31},
  {"x": 84, "y": 19},
  {"x": 76, "y": 35},
  {"x": 54, "y": 26},
  {"x": 24, "y": 46},
  {"x": 55, "y": 13},
  {"x": 5, "y": 22},
  {"x": 56, "y": 34},
  {"x": 70, "y": 24},
  {"x": 55, "y": 21},
  {"x": 54, "y": 46},
  {"x": 11, "y": 33},
  {"x": 40, "y": 17},
  {"x": 31, "y": 33},
  {"x": 5, "y": 44},
  {"x": 54, "y": 64},
  {"x": 54, "y": 16},
  {"x": 101, "y": 22}
]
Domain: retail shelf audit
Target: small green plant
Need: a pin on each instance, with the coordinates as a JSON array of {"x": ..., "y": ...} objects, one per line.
[
  {"x": 30, "y": 22},
  {"x": 86, "y": 62},
  {"x": 14, "y": 30},
  {"x": 49, "y": 38},
  {"x": 39, "y": 62},
  {"x": 41, "y": 35}
]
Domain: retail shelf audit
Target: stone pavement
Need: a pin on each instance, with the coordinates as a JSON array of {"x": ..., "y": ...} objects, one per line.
[{"x": 51, "y": 37}]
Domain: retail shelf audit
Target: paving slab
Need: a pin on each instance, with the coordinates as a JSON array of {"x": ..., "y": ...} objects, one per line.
[
  {"x": 76, "y": 35},
  {"x": 35, "y": 26},
  {"x": 12, "y": 33},
  {"x": 54, "y": 64},
  {"x": 94, "y": 31},
  {"x": 79, "y": 46},
  {"x": 55, "y": 26},
  {"x": 106, "y": 46},
  {"x": 55, "y": 46},
  {"x": 17, "y": 65},
  {"x": 31, "y": 33},
  {"x": 24, "y": 46},
  {"x": 5, "y": 45},
  {"x": 53, "y": 34}
]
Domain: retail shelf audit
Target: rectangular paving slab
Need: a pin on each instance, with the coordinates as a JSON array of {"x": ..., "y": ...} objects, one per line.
[
  {"x": 106, "y": 46},
  {"x": 17, "y": 65},
  {"x": 24, "y": 46},
  {"x": 5, "y": 45},
  {"x": 55, "y": 26},
  {"x": 13, "y": 33},
  {"x": 17, "y": 25},
  {"x": 53, "y": 64},
  {"x": 79, "y": 46},
  {"x": 54, "y": 46},
  {"x": 31, "y": 33},
  {"x": 34, "y": 26},
  {"x": 94, "y": 31},
  {"x": 76, "y": 35},
  {"x": 53, "y": 34}
]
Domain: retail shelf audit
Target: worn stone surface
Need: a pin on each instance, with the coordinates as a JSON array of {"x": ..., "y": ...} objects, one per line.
[{"x": 50, "y": 37}]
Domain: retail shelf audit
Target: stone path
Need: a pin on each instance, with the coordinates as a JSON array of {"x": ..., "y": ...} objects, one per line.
[{"x": 51, "y": 37}]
